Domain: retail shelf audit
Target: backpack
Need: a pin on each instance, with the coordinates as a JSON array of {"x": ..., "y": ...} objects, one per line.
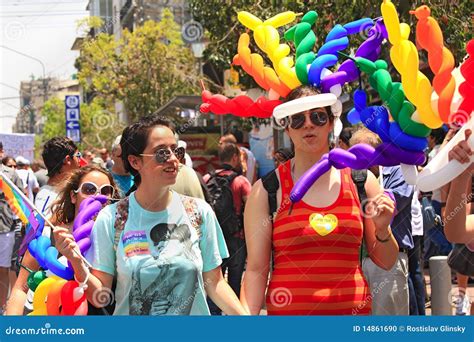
[{"x": 222, "y": 201}]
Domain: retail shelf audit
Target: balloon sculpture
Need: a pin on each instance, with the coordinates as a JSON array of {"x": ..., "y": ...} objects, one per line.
[
  {"x": 58, "y": 294},
  {"x": 411, "y": 108}
]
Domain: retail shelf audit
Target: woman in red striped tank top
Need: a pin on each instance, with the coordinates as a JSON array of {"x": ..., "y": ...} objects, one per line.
[{"x": 316, "y": 247}]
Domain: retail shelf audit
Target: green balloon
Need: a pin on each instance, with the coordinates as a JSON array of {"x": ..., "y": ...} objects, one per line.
[
  {"x": 35, "y": 278},
  {"x": 381, "y": 64},
  {"x": 396, "y": 99},
  {"x": 409, "y": 126},
  {"x": 301, "y": 66},
  {"x": 365, "y": 65}
]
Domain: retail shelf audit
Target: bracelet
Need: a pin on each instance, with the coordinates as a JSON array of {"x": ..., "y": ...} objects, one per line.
[{"x": 383, "y": 240}]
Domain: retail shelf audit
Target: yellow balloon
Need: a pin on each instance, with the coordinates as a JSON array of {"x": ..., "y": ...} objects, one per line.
[
  {"x": 281, "y": 19},
  {"x": 41, "y": 293},
  {"x": 404, "y": 56},
  {"x": 248, "y": 20},
  {"x": 287, "y": 73},
  {"x": 390, "y": 19}
]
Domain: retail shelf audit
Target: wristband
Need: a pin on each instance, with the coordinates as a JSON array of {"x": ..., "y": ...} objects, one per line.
[{"x": 383, "y": 240}]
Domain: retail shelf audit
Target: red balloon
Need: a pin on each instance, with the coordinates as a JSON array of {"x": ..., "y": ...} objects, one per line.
[{"x": 69, "y": 306}]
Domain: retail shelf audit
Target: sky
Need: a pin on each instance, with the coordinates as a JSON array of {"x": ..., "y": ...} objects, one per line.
[{"x": 43, "y": 29}]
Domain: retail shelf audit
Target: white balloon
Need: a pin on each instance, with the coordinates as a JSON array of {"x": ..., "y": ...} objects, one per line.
[
  {"x": 440, "y": 170},
  {"x": 302, "y": 104},
  {"x": 337, "y": 127},
  {"x": 410, "y": 173}
]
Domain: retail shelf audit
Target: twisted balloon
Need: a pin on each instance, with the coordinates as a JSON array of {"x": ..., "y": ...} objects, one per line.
[
  {"x": 404, "y": 56},
  {"x": 241, "y": 105},
  {"x": 430, "y": 37},
  {"x": 466, "y": 89},
  {"x": 268, "y": 40},
  {"x": 393, "y": 95},
  {"x": 358, "y": 157},
  {"x": 370, "y": 49},
  {"x": 253, "y": 65}
]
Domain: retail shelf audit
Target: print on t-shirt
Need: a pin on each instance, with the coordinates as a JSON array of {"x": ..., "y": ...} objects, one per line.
[{"x": 175, "y": 285}]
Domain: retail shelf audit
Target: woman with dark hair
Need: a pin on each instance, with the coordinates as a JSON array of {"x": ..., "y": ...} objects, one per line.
[
  {"x": 82, "y": 183},
  {"x": 315, "y": 248},
  {"x": 9, "y": 161},
  {"x": 123, "y": 242}
]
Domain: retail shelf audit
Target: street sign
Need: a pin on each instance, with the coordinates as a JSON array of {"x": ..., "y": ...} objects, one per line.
[{"x": 73, "y": 127}]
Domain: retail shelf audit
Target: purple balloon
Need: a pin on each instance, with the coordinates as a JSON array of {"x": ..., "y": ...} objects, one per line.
[
  {"x": 83, "y": 231},
  {"x": 369, "y": 49},
  {"x": 360, "y": 156},
  {"x": 88, "y": 209}
]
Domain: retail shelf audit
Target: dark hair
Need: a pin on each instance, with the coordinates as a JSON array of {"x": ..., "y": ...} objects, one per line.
[
  {"x": 54, "y": 152},
  {"x": 160, "y": 232},
  {"x": 307, "y": 90},
  {"x": 286, "y": 153},
  {"x": 135, "y": 138},
  {"x": 1, "y": 145},
  {"x": 346, "y": 135},
  {"x": 226, "y": 151},
  {"x": 438, "y": 135},
  {"x": 6, "y": 159},
  {"x": 63, "y": 209}
]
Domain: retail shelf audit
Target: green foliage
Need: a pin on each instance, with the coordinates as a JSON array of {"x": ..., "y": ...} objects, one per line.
[
  {"x": 144, "y": 69},
  {"x": 99, "y": 126}
]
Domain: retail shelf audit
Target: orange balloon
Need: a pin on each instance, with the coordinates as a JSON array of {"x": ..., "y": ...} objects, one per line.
[
  {"x": 430, "y": 38},
  {"x": 53, "y": 303}
]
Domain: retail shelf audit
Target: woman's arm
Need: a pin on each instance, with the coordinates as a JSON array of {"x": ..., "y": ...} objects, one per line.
[
  {"x": 221, "y": 293},
  {"x": 459, "y": 227},
  {"x": 99, "y": 283},
  {"x": 377, "y": 224},
  {"x": 258, "y": 233},
  {"x": 16, "y": 303}
]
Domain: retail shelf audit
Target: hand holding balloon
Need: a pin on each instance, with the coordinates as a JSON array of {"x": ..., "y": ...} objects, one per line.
[{"x": 462, "y": 152}]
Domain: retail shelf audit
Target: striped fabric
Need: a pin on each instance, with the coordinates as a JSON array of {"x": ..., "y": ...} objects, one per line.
[{"x": 315, "y": 274}]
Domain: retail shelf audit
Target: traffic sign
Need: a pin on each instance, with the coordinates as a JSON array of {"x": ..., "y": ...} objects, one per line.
[{"x": 73, "y": 127}]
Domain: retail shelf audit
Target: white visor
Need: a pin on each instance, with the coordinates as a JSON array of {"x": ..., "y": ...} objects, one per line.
[{"x": 302, "y": 104}]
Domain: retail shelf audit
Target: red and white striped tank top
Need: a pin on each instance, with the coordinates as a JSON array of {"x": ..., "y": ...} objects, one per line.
[{"x": 316, "y": 255}]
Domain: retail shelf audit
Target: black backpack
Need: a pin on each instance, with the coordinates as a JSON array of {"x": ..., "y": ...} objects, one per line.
[{"x": 222, "y": 202}]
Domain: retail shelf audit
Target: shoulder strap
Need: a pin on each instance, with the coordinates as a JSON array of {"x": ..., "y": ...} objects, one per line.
[
  {"x": 359, "y": 177},
  {"x": 121, "y": 217},
  {"x": 192, "y": 210},
  {"x": 271, "y": 184}
]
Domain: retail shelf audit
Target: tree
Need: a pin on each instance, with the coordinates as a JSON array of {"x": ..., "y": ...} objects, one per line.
[
  {"x": 144, "y": 69},
  {"x": 98, "y": 126},
  {"x": 219, "y": 18}
]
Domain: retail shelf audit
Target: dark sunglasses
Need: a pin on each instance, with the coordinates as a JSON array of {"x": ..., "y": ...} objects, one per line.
[
  {"x": 13, "y": 166},
  {"x": 318, "y": 118},
  {"x": 91, "y": 189},
  {"x": 164, "y": 154}
]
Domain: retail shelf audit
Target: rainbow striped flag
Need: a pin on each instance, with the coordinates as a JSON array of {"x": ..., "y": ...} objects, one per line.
[{"x": 17, "y": 204}]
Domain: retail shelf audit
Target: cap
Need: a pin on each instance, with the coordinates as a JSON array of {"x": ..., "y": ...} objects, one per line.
[{"x": 20, "y": 160}]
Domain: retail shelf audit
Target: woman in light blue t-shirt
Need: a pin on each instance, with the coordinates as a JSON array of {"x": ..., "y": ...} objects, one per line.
[{"x": 165, "y": 257}]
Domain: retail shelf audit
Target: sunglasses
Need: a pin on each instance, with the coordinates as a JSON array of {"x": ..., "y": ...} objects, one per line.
[
  {"x": 13, "y": 166},
  {"x": 318, "y": 118},
  {"x": 91, "y": 189},
  {"x": 164, "y": 154}
]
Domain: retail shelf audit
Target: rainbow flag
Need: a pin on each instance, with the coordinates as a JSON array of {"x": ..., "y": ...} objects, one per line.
[{"x": 18, "y": 205}]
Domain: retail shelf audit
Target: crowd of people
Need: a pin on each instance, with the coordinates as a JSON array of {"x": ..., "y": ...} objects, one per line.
[{"x": 171, "y": 241}]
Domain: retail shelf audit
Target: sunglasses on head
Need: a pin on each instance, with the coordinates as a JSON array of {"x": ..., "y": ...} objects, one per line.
[
  {"x": 91, "y": 189},
  {"x": 318, "y": 118},
  {"x": 164, "y": 154}
]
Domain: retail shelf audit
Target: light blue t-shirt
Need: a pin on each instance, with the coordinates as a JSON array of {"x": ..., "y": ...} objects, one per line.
[{"x": 160, "y": 258}]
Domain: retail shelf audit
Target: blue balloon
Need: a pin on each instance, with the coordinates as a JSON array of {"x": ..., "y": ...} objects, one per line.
[
  {"x": 55, "y": 266},
  {"x": 337, "y": 32},
  {"x": 314, "y": 73},
  {"x": 333, "y": 46},
  {"x": 405, "y": 141},
  {"x": 358, "y": 25}
]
